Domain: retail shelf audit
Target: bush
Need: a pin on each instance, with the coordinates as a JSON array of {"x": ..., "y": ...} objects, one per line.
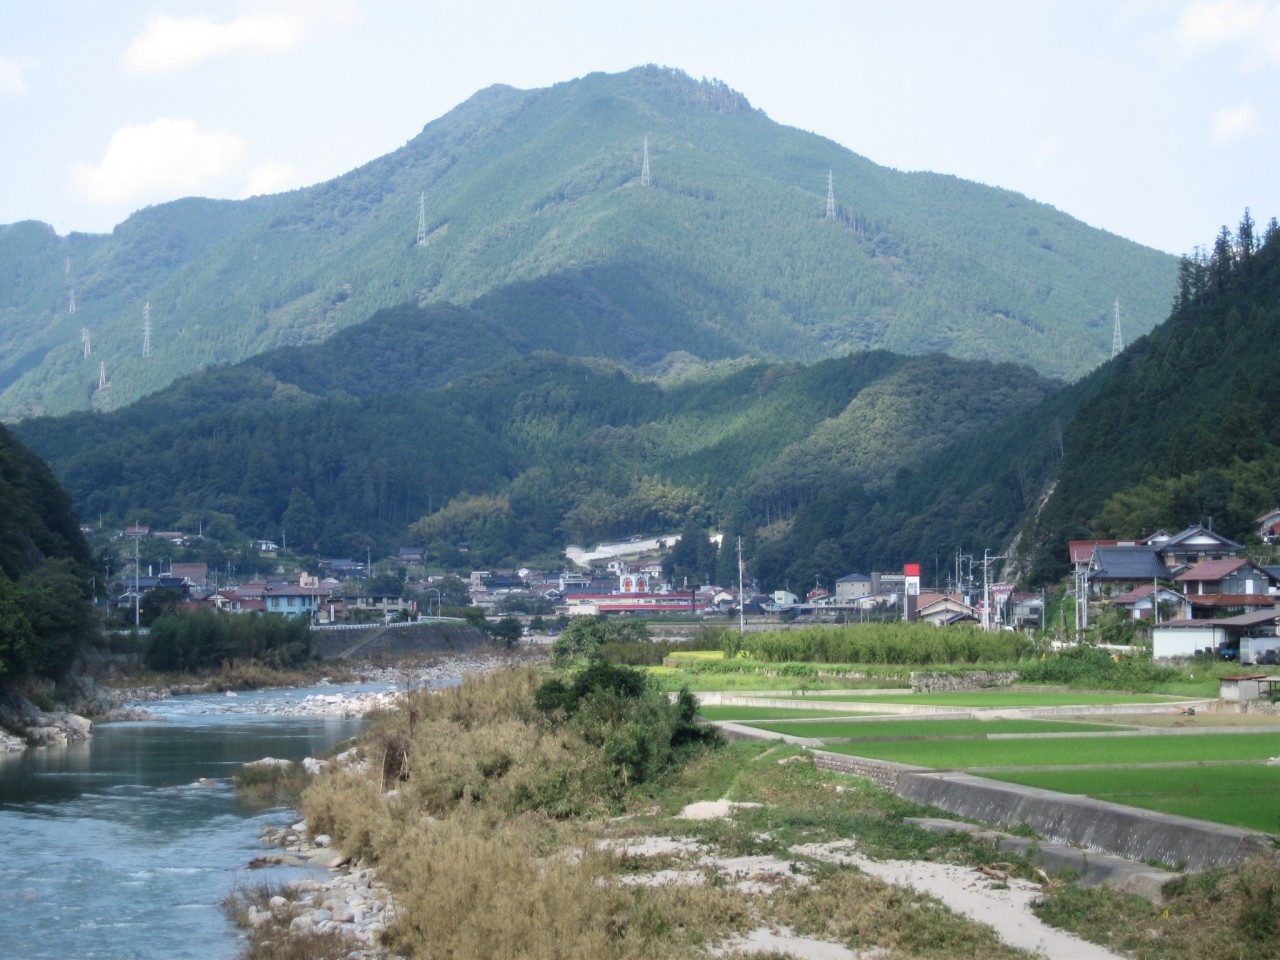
[
  {"x": 915, "y": 644},
  {"x": 1085, "y": 666}
]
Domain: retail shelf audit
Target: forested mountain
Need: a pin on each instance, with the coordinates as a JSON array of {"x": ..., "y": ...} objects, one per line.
[
  {"x": 515, "y": 459},
  {"x": 1182, "y": 428},
  {"x": 856, "y": 463},
  {"x": 44, "y": 568},
  {"x": 537, "y": 219}
]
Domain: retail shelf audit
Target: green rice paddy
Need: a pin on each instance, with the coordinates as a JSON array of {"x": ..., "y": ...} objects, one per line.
[
  {"x": 1241, "y": 795},
  {"x": 921, "y": 729},
  {"x": 1077, "y": 751},
  {"x": 774, "y": 713},
  {"x": 1008, "y": 698}
]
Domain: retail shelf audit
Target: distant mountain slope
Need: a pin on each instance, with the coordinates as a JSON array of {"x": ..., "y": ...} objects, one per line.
[
  {"x": 536, "y": 216},
  {"x": 515, "y": 458},
  {"x": 1182, "y": 428}
]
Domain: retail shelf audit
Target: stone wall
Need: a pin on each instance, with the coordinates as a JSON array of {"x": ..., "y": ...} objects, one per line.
[
  {"x": 926, "y": 682},
  {"x": 882, "y": 773}
]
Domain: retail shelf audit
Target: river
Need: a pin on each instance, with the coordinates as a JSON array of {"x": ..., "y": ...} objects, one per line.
[{"x": 124, "y": 845}]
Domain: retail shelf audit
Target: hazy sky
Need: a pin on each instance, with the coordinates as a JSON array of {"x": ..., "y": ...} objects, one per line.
[{"x": 1158, "y": 120}]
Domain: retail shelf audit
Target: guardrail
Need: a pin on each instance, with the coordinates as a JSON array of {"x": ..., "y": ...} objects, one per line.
[{"x": 376, "y": 624}]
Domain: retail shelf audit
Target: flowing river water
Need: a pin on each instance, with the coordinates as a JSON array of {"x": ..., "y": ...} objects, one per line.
[{"x": 124, "y": 845}]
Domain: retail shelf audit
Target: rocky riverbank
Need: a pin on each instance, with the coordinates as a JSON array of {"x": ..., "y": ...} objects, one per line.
[{"x": 350, "y": 903}]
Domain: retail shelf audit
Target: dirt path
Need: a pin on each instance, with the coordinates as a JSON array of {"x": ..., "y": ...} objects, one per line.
[{"x": 1006, "y": 907}]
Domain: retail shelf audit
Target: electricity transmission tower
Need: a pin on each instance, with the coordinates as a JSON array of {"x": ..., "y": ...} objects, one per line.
[
  {"x": 422, "y": 219},
  {"x": 102, "y": 376},
  {"x": 644, "y": 169},
  {"x": 831, "y": 196},
  {"x": 1117, "y": 340},
  {"x": 84, "y": 341},
  {"x": 71, "y": 306},
  {"x": 146, "y": 329}
]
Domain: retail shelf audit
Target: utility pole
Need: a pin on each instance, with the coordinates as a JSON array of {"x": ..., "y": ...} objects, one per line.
[
  {"x": 742, "y": 622},
  {"x": 986, "y": 586},
  {"x": 137, "y": 610},
  {"x": 831, "y": 196}
]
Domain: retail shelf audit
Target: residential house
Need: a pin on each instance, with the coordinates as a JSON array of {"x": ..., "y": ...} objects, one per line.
[
  {"x": 1268, "y": 525},
  {"x": 943, "y": 609},
  {"x": 294, "y": 600},
  {"x": 1194, "y": 545},
  {"x": 1234, "y": 584},
  {"x": 197, "y": 574},
  {"x": 1140, "y": 602},
  {"x": 1119, "y": 569}
]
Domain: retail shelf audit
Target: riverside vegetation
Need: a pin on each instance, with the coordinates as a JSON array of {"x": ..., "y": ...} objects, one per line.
[{"x": 513, "y": 816}]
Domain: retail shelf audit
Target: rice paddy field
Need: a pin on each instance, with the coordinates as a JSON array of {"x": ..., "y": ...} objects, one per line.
[
  {"x": 1010, "y": 697},
  {"x": 979, "y": 755},
  {"x": 873, "y": 730},
  {"x": 1240, "y": 795},
  {"x": 1164, "y": 760}
]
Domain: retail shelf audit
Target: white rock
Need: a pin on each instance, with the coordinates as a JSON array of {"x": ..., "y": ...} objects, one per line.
[{"x": 323, "y": 840}]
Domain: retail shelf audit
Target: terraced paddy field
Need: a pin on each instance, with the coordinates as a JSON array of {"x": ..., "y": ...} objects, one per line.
[
  {"x": 979, "y": 756},
  {"x": 874, "y": 730},
  {"x": 774, "y": 713},
  {"x": 1239, "y": 795},
  {"x": 1010, "y": 698}
]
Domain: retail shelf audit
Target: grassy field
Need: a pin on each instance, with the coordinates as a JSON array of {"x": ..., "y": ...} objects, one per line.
[
  {"x": 1241, "y": 795},
  {"x": 1081, "y": 751},
  {"x": 924, "y": 729}
]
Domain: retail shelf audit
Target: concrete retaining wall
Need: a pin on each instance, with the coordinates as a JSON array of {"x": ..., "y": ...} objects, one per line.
[
  {"x": 1128, "y": 832},
  {"x": 423, "y": 637}
]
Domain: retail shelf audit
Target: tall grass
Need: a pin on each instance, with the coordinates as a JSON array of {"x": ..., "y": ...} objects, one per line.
[{"x": 915, "y": 644}]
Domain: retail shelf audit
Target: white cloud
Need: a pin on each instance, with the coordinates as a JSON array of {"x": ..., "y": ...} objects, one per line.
[
  {"x": 13, "y": 80},
  {"x": 1234, "y": 123},
  {"x": 158, "y": 160},
  {"x": 176, "y": 43},
  {"x": 270, "y": 177},
  {"x": 1252, "y": 24}
]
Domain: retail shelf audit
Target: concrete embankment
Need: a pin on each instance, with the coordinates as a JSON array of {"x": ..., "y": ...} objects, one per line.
[
  {"x": 422, "y": 637},
  {"x": 1140, "y": 835}
]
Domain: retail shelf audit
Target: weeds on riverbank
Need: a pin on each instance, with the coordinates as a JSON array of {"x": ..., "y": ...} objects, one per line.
[
  {"x": 270, "y": 937},
  {"x": 1223, "y": 914},
  {"x": 270, "y": 785}
]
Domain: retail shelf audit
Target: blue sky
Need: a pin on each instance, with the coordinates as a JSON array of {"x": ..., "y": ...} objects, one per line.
[{"x": 1158, "y": 120}]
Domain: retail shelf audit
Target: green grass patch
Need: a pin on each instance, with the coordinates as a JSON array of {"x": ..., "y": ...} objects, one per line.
[
  {"x": 1076, "y": 751},
  {"x": 876, "y": 729},
  {"x": 773, "y": 713},
  {"x": 1240, "y": 796},
  {"x": 1011, "y": 698}
]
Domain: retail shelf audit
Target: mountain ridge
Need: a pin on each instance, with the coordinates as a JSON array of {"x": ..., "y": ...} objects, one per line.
[{"x": 727, "y": 253}]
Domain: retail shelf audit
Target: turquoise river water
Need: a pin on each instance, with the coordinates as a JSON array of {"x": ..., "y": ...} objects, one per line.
[{"x": 114, "y": 849}]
